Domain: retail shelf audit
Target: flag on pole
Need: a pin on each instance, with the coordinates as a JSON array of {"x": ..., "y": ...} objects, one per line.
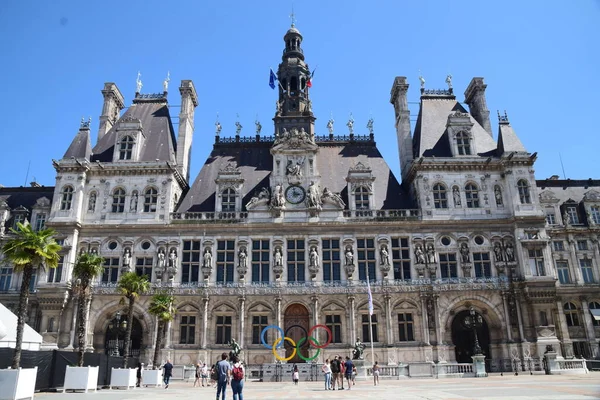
[
  {"x": 272, "y": 79},
  {"x": 309, "y": 82},
  {"x": 370, "y": 297}
]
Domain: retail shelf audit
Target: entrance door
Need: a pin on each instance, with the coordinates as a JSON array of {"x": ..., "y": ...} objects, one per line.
[
  {"x": 115, "y": 338},
  {"x": 464, "y": 339},
  {"x": 296, "y": 327}
]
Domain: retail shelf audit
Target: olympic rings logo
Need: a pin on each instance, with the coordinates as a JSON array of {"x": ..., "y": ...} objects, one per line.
[{"x": 296, "y": 346}]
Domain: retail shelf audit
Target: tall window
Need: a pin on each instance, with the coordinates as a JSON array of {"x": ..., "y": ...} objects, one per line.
[
  {"x": 126, "y": 148},
  {"x": 260, "y": 261},
  {"x": 401, "y": 258},
  {"x": 66, "y": 198},
  {"x": 150, "y": 200},
  {"x": 40, "y": 221},
  {"x": 331, "y": 260},
  {"x": 463, "y": 143},
  {"x": 143, "y": 266},
  {"x": 440, "y": 198},
  {"x": 483, "y": 268},
  {"x": 448, "y": 265},
  {"x": 405, "y": 327},
  {"x": 524, "y": 195},
  {"x": 558, "y": 245},
  {"x": 225, "y": 260},
  {"x": 55, "y": 274},
  {"x": 5, "y": 278},
  {"x": 228, "y": 200},
  {"x": 571, "y": 314},
  {"x": 361, "y": 198},
  {"x": 223, "y": 329},
  {"x": 334, "y": 323},
  {"x": 190, "y": 263},
  {"x": 365, "y": 328},
  {"x": 259, "y": 322},
  {"x": 573, "y": 215},
  {"x": 550, "y": 216},
  {"x": 562, "y": 268},
  {"x": 472, "y": 195},
  {"x": 295, "y": 260},
  {"x": 118, "y": 204},
  {"x": 187, "y": 329},
  {"x": 594, "y": 305},
  {"x": 586, "y": 270},
  {"x": 111, "y": 270},
  {"x": 595, "y": 214},
  {"x": 582, "y": 245},
  {"x": 366, "y": 259},
  {"x": 536, "y": 262},
  {"x": 19, "y": 219}
]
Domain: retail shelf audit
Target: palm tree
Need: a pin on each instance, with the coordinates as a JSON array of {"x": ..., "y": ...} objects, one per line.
[
  {"x": 28, "y": 250},
  {"x": 131, "y": 285},
  {"x": 162, "y": 307},
  {"x": 87, "y": 267}
]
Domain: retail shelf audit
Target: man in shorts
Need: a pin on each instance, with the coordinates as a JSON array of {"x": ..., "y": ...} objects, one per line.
[
  {"x": 224, "y": 371},
  {"x": 335, "y": 372}
]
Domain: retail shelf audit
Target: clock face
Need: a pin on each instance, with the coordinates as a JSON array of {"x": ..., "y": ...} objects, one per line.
[{"x": 295, "y": 194}]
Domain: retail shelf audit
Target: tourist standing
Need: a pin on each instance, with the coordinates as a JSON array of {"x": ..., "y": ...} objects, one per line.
[
  {"x": 204, "y": 375},
  {"x": 326, "y": 368},
  {"x": 375, "y": 374},
  {"x": 295, "y": 375},
  {"x": 168, "y": 371},
  {"x": 349, "y": 366},
  {"x": 224, "y": 372},
  {"x": 335, "y": 373},
  {"x": 138, "y": 375},
  {"x": 197, "y": 380},
  {"x": 237, "y": 378}
]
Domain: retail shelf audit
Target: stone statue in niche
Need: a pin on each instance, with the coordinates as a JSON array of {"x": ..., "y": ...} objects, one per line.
[
  {"x": 349, "y": 255},
  {"x": 313, "y": 200},
  {"x": 385, "y": 255},
  {"x": 419, "y": 254},
  {"x": 161, "y": 259},
  {"x": 456, "y": 196},
  {"x": 314, "y": 257},
  {"x": 207, "y": 258},
  {"x": 430, "y": 254},
  {"x": 498, "y": 195},
  {"x": 498, "y": 252},
  {"x": 278, "y": 257},
  {"x": 243, "y": 259},
  {"x": 566, "y": 218},
  {"x": 173, "y": 258},
  {"x": 278, "y": 200},
  {"x": 464, "y": 253},
  {"x": 92, "y": 202},
  {"x": 133, "y": 203},
  {"x": 294, "y": 168},
  {"x": 510, "y": 252},
  {"x": 127, "y": 260}
]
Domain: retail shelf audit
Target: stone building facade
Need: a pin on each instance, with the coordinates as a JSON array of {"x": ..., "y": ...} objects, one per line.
[{"x": 285, "y": 229}]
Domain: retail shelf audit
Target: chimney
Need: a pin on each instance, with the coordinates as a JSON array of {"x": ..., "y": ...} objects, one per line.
[
  {"x": 113, "y": 104},
  {"x": 475, "y": 98},
  {"x": 189, "y": 101},
  {"x": 400, "y": 102}
]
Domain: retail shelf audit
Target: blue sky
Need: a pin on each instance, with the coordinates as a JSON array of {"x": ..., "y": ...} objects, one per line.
[{"x": 540, "y": 60}]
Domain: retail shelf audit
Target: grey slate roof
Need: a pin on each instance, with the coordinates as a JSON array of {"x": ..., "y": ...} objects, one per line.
[
  {"x": 160, "y": 140},
  {"x": 508, "y": 140},
  {"x": 24, "y": 197},
  {"x": 568, "y": 189},
  {"x": 80, "y": 146}
]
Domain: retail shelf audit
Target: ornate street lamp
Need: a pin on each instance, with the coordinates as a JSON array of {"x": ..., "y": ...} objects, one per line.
[
  {"x": 474, "y": 321},
  {"x": 116, "y": 326}
]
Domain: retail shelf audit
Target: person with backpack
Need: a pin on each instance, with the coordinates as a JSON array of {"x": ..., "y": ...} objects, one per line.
[
  {"x": 335, "y": 373},
  {"x": 224, "y": 372},
  {"x": 237, "y": 378},
  {"x": 349, "y": 366}
]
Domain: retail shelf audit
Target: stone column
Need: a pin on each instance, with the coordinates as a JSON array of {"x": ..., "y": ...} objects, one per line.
[
  {"x": 577, "y": 278},
  {"x": 436, "y": 317},
  {"x": 278, "y": 312},
  {"x": 507, "y": 317},
  {"x": 315, "y": 301},
  {"x": 242, "y": 316},
  {"x": 204, "y": 321},
  {"x": 425, "y": 319},
  {"x": 589, "y": 326},
  {"x": 389, "y": 332},
  {"x": 71, "y": 345},
  {"x": 520, "y": 320},
  {"x": 564, "y": 330},
  {"x": 352, "y": 322}
]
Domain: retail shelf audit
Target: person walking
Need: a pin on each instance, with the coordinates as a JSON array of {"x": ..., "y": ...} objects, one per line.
[
  {"x": 224, "y": 372},
  {"x": 168, "y": 371},
  {"x": 197, "y": 381},
  {"x": 375, "y": 374},
  {"x": 237, "y": 379},
  {"x": 138, "y": 375},
  {"x": 326, "y": 368},
  {"x": 349, "y": 366},
  {"x": 204, "y": 375},
  {"x": 295, "y": 375}
]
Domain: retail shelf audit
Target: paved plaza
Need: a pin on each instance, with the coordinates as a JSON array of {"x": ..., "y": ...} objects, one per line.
[{"x": 493, "y": 387}]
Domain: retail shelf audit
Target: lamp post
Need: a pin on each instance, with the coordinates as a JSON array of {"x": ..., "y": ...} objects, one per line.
[
  {"x": 474, "y": 321},
  {"x": 116, "y": 326}
]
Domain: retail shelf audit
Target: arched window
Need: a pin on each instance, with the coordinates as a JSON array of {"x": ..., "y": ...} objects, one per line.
[
  {"x": 594, "y": 305},
  {"x": 463, "y": 143},
  {"x": 571, "y": 314},
  {"x": 66, "y": 198},
  {"x": 126, "y": 148},
  {"x": 440, "y": 199},
  {"x": 472, "y": 195},
  {"x": 524, "y": 192},
  {"x": 118, "y": 205},
  {"x": 150, "y": 200},
  {"x": 361, "y": 198},
  {"x": 228, "y": 200}
]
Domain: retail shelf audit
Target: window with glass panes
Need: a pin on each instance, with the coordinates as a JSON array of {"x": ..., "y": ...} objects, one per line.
[
  {"x": 225, "y": 260},
  {"x": 223, "y": 335},
  {"x": 595, "y": 214},
  {"x": 150, "y": 200},
  {"x": 259, "y": 322},
  {"x": 5, "y": 278},
  {"x": 366, "y": 258},
  {"x": 111, "y": 269},
  {"x": 571, "y": 314},
  {"x": 523, "y": 188},
  {"x": 481, "y": 262},
  {"x": 295, "y": 260},
  {"x": 190, "y": 262},
  {"x": 573, "y": 215},
  {"x": 594, "y": 305},
  {"x": 228, "y": 200},
  {"x": 562, "y": 268},
  {"x": 33, "y": 281},
  {"x": 463, "y": 143},
  {"x": 331, "y": 260},
  {"x": 582, "y": 245},
  {"x": 143, "y": 266},
  {"x": 66, "y": 198},
  {"x": 365, "y": 328},
  {"x": 472, "y": 195},
  {"x": 126, "y": 148},
  {"x": 260, "y": 261},
  {"x": 558, "y": 245},
  {"x": 550, "y": 216},
  {"x": 187, "y": 329},
  {"x": 448, "y": 265},
  {"x": 361, "y": 198},
  {"x": 118, "y": 204},
  {"x": 406, "y": 327},
  {"x": 40, "y": 221},
  {"x": 580, "y": 349},
  {"x": 401, "y": 258},
  {"x": 536, "y": 262},
  {"x": 334, "y": 323},
  {"x": 18, "y": 219},
  {"x": 440, "y": 199},
  {"x": 55, "y": 274},
  {"x": 586, "y": 270}
]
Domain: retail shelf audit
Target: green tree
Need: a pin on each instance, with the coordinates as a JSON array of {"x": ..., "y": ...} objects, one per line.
[
  {"x": 131, "y": 286},
  {"x": 162, "y": 306},
  {"x": 87, "y": 267},
  {"x": 28, "y": 250}
]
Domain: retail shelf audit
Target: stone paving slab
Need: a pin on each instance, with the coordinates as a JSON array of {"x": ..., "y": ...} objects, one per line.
[{"x": 536, "y": 387}]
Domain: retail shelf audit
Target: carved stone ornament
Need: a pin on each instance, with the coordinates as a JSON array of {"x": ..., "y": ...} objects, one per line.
[
  {"x": 332, "y": 198},
  {"x": 294, "y": 138},
  {"x": 242, "y": 262},
  {"x": 262, "y": 198},
  {"x": 360, "y": 167},
  {"x": 230, "y": 167},
  {"x": 548, "y": 196},
  {"x": 591, "y": 195}
]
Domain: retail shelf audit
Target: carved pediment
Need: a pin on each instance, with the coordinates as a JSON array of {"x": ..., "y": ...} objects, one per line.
[
  {"x": 360, "y": 167},
  {"x": 548, "y": 196},
  {"x": 43, "y": 202},
  {"x": 230, "y": 168},
  {"x": 295, "y": 138},
  {"x": 592, "y": 195}
]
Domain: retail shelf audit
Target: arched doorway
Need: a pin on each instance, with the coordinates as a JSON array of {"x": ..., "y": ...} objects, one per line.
[
  {"x": 464, "y": 339},
  {"x": 295, "y": 326},
  {"x": 114, "y": 337}
]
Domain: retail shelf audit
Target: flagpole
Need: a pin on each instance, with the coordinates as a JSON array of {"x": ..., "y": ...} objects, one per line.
[{"x": 370, "y": 320}]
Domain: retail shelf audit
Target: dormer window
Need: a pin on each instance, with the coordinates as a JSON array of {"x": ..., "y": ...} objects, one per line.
[
  {"x": 19, "y": 219},
  {"x": 228, "y": 197},
  {"x": 40, "y": 221},
  {"x": 440, "y": 199},
  {"x": 126, "y": 148},
  {"x": 524, "y": 195},
  {"x": 472, "y": 195},
  {"x": 118, "y": 205},
  {"x": 150, "y": 200},
  {"x": 463, "y": 143},
  {"x": 66, "y": 198},
  {"x": 361, "y": 198}
]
